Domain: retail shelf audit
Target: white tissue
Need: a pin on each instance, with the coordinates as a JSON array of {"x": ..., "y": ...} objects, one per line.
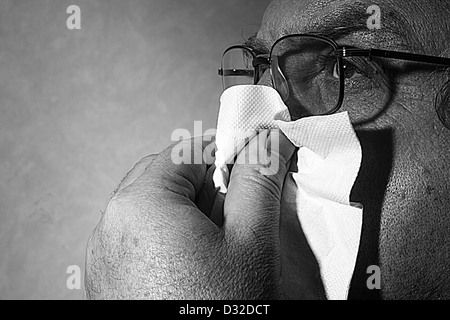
[{"x": 329, "y": 158}]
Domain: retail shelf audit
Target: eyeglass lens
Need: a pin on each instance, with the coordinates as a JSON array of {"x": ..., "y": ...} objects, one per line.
[
  {"x": 305, "y": 71},
  {"x": 237, "y": 68}
]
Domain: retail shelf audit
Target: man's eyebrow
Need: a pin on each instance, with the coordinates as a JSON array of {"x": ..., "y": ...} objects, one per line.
[
  {"x": 258, "y": 46},
  {"x": 353, "y": 18},
  {"x": 341, "y": 22}
]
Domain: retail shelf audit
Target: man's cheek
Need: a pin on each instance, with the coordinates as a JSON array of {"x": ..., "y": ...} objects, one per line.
[
  {"x": 366, "y": 108},
  {"x": 369, "y": 91}
]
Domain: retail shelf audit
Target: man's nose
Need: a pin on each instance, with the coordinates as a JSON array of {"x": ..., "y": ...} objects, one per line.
[{"x": 266, "y": 79}]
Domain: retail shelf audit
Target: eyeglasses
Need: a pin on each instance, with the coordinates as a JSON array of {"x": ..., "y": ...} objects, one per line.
[{"x": 311, "y": 72}]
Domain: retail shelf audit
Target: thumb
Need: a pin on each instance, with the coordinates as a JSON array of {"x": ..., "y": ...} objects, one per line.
[{"x": 252, "y": 204}]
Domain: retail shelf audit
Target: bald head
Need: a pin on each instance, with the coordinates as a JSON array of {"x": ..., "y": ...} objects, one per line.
[{"x": 404, "y": 182}]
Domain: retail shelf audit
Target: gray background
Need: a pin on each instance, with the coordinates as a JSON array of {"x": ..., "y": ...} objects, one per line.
[{"x": 79, "y": 107}]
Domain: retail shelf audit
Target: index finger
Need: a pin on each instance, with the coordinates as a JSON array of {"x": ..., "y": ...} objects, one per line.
[{"x": 138, "y": 169}]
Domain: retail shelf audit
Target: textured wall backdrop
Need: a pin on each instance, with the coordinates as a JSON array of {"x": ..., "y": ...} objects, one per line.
[{"x": 79, "y": 107}]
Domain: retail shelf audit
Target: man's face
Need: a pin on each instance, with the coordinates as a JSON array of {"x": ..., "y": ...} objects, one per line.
[{"x": 404, "y": 182}]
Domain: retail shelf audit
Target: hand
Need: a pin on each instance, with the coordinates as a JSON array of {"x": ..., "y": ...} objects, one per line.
[{"x": 154, "y": 242}]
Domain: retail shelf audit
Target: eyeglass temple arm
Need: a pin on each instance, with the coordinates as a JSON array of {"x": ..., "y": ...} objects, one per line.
[{"x": 352, "y": 52}]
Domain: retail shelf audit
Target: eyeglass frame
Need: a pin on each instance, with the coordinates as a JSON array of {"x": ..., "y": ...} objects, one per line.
[{"x": 264, "y": 61}]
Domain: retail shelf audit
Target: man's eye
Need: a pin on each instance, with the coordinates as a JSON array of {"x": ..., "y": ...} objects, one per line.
[{"x": 349, "y": 70}]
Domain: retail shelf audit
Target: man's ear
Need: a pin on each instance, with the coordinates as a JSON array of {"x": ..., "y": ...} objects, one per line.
[{"x": 442, "y": 103}]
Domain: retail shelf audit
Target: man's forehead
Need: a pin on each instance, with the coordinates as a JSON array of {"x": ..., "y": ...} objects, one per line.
[{"x": 303, "y": 16}]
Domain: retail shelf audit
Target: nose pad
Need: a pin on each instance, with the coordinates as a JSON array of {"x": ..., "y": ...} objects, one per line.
[{"x": 279, "y": 81}]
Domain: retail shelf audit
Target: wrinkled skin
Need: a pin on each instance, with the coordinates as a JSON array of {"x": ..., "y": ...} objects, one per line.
[{"x": 153, "y": 242}]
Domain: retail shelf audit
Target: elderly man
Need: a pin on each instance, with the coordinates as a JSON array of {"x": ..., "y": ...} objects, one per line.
[{"x": 154, "y": 241}]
